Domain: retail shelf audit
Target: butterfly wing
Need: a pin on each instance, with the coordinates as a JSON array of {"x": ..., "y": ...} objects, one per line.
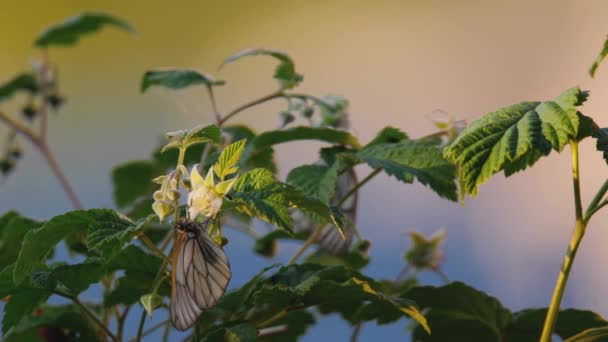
[{"x": 201, "y": 273}]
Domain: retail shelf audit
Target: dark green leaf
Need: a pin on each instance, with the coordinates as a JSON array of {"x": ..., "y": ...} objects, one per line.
[
  {"x": 316, "y": 181},
  {"x": 133, "y": 258},
  {"x": 285, "y": 72},
  {"x": 296, "y": 322},
  {"x": 69, "y": 32},
  {"x": 305, "y": 133},
  {"x": 244, "y": 332},
  {"x": 131, "y": 287},
  {"x": 79, "y": 277},
  {"x": 13, "y": 228},
  {"x": 388, "y": 135},
  {"x": 177, "y": 79},
  {"x": 133, "y": 180},
  {"x": 601, "y": 144},
  {"x": 22, "y": 82},
  {"x": 460, "y": 313},
  {"x": 20, "y": 305},
  {"x": 514, "y": 138},
  {"x": 527, "y": 325},
  {"x": 65, "y": 321},
  {"x": 591, "y": 335},
  {"x": 411, "y": 159},
  {"x": 101, "y": 223}
]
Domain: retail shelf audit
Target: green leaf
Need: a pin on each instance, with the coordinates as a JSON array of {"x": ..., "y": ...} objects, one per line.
[
  {"x": 177, "y": 79},
  {"x": 244, "y": 332},
  {"x": 133, "y": 258},
  {"x": 230, "y": 156},
  {"x": 388, "y": 135},
  {"x": 131, "y": 287},
  {"x": 601, "y": 142},
  {"x": 527, "y": 325},
  {"x": 316, "y": 181},
  {"x": 514, "y": 138},
  {"x": 13, "y": 228},
  {"x": 6, "y": 281},
  {"x": 133, "y": 180},
  {"x": 285, "y": 72},
  {"x": 297, "y": 323},
  {"x": 66, "y": 319},
  {"x": 411, "y": 160},
  {"x": 38, "y": 243},
  {"x": 459, "y": 313},
  {"x": 305, "y": 133},
  {"x": 590, "y": 335},
  {"x": 261, "y": 196},
  {"x": 69, "y": 32},
  {"x": 20, "y": 305},
  {"x": 21, "y": 82},
  {"x": 599, "y": 59},
  {"x": 285, "y": 118},
  {"x": 79, "y": 277},
  {"x": 267, "y": 245}
]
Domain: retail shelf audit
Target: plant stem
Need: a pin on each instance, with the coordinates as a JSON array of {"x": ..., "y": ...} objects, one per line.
[
  {"x": 153, "y": 247},
  {"x": 180, "y": 162},
  {"x": 311, "y": 239},
  {"x": 356, "y": 332},
  {"x": 593, "y": 206},
  {"x": 152, "y": 329},
  {"x": 21, "y": 129},
  {"x": 140, "y": 329},
  {"x": 357, "y": 186},
  {"x": 216, "y": 112},
  {"x": 54, "y": 165},
  {"x": 89, "y": 313},
  {"x": 595, "y": 210},
  {"x": 121, "y": 322},
  {"x": 271, "y": 96},
  {"x": 577, "y": 236}
]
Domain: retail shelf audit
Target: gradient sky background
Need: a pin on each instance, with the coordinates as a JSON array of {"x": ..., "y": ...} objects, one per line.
[{"x": 396, "y": 61}]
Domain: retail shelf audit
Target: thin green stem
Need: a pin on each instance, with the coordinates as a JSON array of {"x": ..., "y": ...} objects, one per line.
[
  {"x": 592, "y": 208},
  {"x": 121, "y": 322},
  {"x": 311, "y": 239},
  {"x": 595, "y": 210},
  {"x": 140, "y": 329},
  {"x": 89, "y": 313},
  {"x": 143, "y": 238},
  {"x": 271, "y": 96},
  {"x": 180, "y": 162},
  {"x": 356, "y": 332},
  {"x": 577, "y": 236},
  {"x": 357, "y": 186},
  {"x": 152, "y": 329},
  {"x": 216, "y": 112}
]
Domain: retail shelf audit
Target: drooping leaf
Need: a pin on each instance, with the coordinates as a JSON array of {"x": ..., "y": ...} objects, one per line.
[
  {"x": 599, "y": 59},
  {"x": 285, "y": 72},
  {"x": 411, "y": 160},
  {"x": 177, "y": 79},
  {"x": 22, "y": 82},
  {"x": 150, "y": 302},
  {"x": 78, "y": 277},
  {"x": 260, "y": 195},
  {"x": 69, "y": 32},
  {"x": 514, "y": 138},
  {"x": 305, "y": 133},
  {"x": 590, "y": 335},
  {"x": 133, "y": 180},
  {"x": 66, "y": 320},
  {"x": 296, "y": 324},
  {"x": 39, "y": 242},
  {"x": 21, "y": 304},
  {"x": 388, "y": 135},
  {"x": 527, "y": 325},
  {"x": 13, "y": 228},
  {"x": 316, "y": 181},
  {"x": 459, "y": 313},
  {"x": 230, "y": 156}
]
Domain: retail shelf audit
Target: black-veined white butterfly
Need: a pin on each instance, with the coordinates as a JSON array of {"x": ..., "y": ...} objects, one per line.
[{"x": 200, "y": 273}]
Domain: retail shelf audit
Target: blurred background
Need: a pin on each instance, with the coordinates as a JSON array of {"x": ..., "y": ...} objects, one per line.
[{"x": 396, "y": 61}]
